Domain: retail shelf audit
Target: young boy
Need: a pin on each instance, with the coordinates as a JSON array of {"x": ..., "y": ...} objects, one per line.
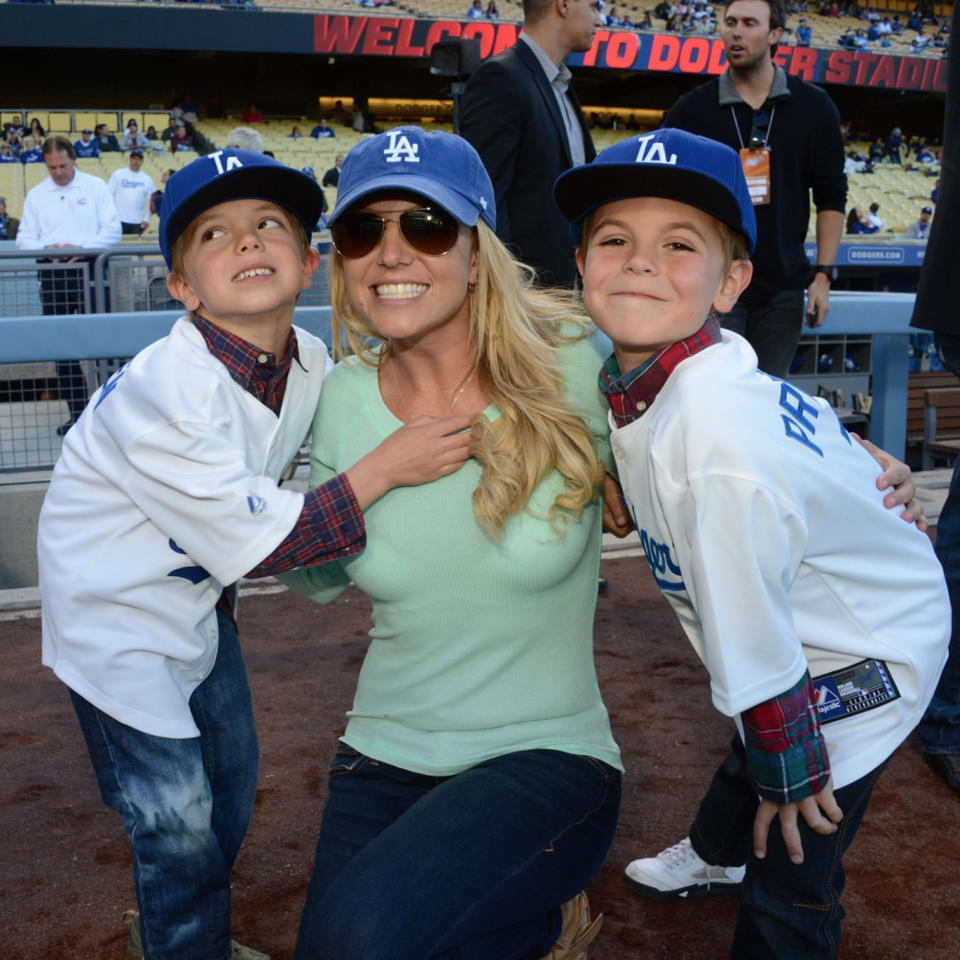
[
  {"x": 763, "y": 526},
  {"x": 166, "y": 493}
]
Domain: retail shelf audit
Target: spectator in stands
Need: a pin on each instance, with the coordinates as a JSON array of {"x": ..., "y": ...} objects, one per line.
[
  {"x": 874, "y": 215},
  {"x": 646, "y": 23},
  {"x": 151, "y": 133},
  {"x": 6, "y": 154},
  {"x": 13, "y": 135},
  {"x": 924, "y": 153},
  {"x": 492, "y": 13},
  {"x": 920, "y": 228},
  {"x": 8, "y": 224},
  {"x": 321, "y": 224},
  {"x": 132, "y": 138},
  {"x": 131, "y": 190},
  {"x": 188, "y": 110},
  {"x": 36, "y": 131},
  {"x": 182, "y": 139},
  {"x": 804, "y": 33},
  {"x": 878, "y": 151},
  {"x": 915, "y": 23},
  {"x": 918, "y": 43},
  {"x": 475, "y": 10},
  {"x": 245, "y": 138},
  {"x": 339, "y": 114},
  {"x": 31, "y": 152},
  {"x": 106, "y": 141},
  {"x": 896, "y": 27},
  {"x": 215, "y": 109},
  {"x": 253, "y": 115},
  {"x": 16, "y": 124},
  {"x": 522, "y": 115},
  {"x": 332, "y": 177},
  {"x": 168, "y": 134},
  {"x": 935, "y": 192},
  {"x": 295, "y": 134},
  {"x": 156, "y": 198},
  {"x": 321, "y": 130},
  {"x": 66, "y": 211},
  {"x": 857, "y": 222},
  {"x": 894, "y": 145}
]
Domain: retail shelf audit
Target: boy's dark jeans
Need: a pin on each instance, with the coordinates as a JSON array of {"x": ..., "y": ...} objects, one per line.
[
  {"x": 186, "y": 805},
  {"x": 787, "y": 911}
]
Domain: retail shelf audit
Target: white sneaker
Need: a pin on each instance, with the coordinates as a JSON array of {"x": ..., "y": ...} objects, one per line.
[{"x": 678, "y": 872}]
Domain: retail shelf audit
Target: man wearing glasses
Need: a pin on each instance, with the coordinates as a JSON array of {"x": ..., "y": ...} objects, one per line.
[
  {"x": 788, "y": 135},
  {"x": 523, "y": 118}
]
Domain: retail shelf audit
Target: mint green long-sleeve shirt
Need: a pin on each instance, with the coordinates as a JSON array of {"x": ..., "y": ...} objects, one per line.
[{"x": 478, "y": 648}]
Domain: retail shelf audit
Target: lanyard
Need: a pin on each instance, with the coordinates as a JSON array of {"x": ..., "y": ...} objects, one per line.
[{"x": 766, "y": 139}]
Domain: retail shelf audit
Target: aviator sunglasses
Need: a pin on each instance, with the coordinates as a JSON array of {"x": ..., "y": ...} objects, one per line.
[{"x": 426, "y": 229}]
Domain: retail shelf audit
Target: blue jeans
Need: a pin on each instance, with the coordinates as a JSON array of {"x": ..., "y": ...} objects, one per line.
[
  {"x": 787, "y": 912},
  {"x": 472, "y": 866},
  {"x": 773, "y": 329},
  {"x": 939, "y": 729},
  {"x": 186, "y": 805}
]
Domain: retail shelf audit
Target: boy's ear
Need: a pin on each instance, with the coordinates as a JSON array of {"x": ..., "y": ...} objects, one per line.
[
  {"x": 736, "y": 280},
  {"x": 580, "y": 258},
  {"x": 311, "y": 261},
  {"x": 181, "y": 289}
]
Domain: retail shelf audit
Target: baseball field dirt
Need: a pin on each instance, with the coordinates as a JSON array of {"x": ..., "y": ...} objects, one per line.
[{"x": 65, "y": 874}]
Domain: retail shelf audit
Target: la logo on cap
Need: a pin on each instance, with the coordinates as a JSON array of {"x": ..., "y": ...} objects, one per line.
[
  {"x": 656, "y": 153},
  {"x": 401, "y": 148},
  {"x": 232, "y": 162}
]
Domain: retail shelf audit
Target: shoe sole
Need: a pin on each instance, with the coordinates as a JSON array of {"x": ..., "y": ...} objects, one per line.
[{"x": 684, "y": 893}]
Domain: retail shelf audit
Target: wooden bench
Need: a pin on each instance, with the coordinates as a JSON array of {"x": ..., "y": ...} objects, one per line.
[
  {"x": 917, "y": 384},
  {"x": 941, "y": 425}
]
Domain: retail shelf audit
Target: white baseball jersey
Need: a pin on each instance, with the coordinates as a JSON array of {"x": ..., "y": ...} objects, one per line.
[
  {"x": 166, "y": 490},
  {"x": 764, "y": 528},
  {"x": 131, "y": 193}
]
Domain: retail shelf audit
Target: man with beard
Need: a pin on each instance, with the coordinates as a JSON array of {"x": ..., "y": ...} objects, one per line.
[
  {"x": 788, "y": 135},
  {"x": 523, "y": 118}
]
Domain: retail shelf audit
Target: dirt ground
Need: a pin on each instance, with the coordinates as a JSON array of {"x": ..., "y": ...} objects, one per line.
[{"x": 65, "y": 868}]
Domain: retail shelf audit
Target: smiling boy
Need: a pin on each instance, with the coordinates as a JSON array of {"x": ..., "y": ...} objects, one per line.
[
  {"x": 763, "y": 526},
  {"x": 166, "y": 494}
]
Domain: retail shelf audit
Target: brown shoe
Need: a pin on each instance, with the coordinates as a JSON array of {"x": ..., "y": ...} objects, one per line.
[
  {"x": 577, "y": 932},
  {"x": 135, "y": 946}
]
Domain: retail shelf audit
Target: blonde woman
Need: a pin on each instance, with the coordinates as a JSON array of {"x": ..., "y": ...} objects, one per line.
[{"x": 477, "y": 785}]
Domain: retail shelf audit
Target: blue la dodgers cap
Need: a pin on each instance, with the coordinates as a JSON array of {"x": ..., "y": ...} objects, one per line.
[
  {"x": 231, "y": 174},
  {"x": 668, "y": 163},
  {"x": 440, "y": 166}
]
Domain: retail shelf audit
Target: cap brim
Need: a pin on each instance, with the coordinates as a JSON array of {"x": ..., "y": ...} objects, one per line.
[
  {"x": 284, "y": 186},
  {"x": 457, "y": 206},
  {"x": 582, "y": 190}
]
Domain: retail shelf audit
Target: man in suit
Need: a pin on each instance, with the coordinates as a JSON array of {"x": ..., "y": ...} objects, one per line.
[{"x": 525, "y": 121}]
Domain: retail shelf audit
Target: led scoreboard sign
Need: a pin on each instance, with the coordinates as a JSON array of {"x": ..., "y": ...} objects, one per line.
[{"x": 626, "y": 50}]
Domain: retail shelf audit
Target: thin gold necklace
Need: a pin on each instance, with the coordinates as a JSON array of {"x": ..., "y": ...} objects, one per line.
[{"x": 456, "y": 396}]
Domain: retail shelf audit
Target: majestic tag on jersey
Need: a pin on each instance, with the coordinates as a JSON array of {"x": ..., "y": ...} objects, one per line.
[
  {"x": 756, "y": 168},
  {"x": 854, "y": 689}
]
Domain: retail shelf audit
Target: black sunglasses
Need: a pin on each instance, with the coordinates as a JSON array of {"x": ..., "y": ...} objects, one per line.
[{"x": 427, "y": 229}]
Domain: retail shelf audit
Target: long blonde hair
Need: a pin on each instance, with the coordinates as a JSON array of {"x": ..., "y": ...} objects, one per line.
[{"x": 516, "y": 329}]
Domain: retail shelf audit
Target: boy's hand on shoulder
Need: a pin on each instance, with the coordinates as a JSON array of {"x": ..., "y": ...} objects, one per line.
[
  {"x": 820, "y": 811},
  {"x": 420, "y": 451},
  {"x": 898, "y": 476}
]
